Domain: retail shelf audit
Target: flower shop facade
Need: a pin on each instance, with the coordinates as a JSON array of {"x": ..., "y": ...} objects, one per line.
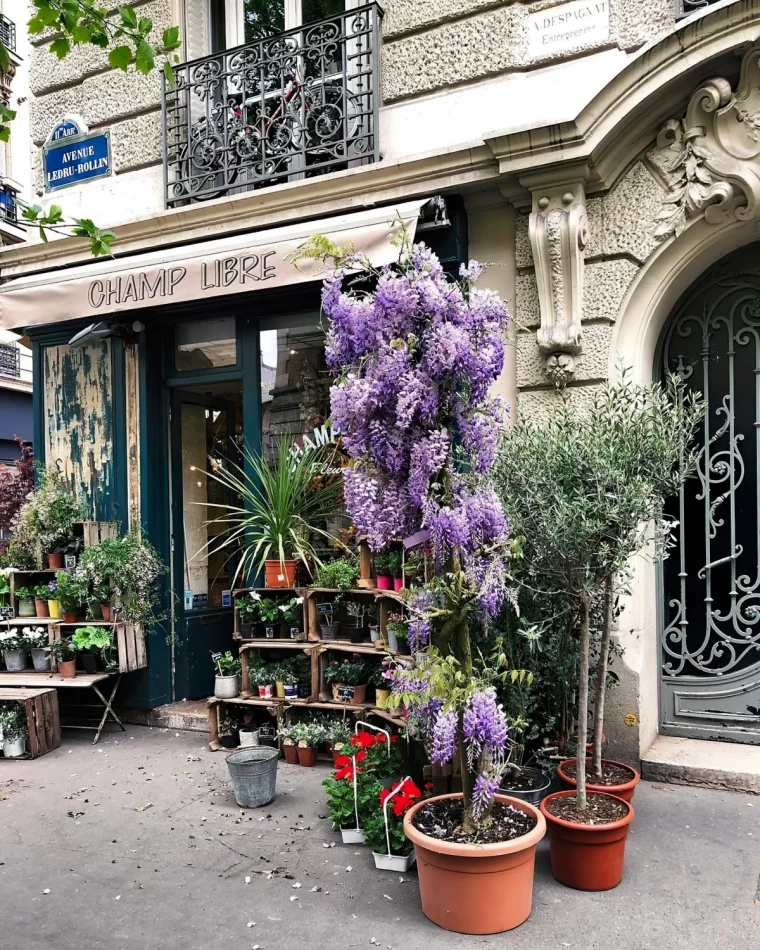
[{"x": 614, "y": 230}]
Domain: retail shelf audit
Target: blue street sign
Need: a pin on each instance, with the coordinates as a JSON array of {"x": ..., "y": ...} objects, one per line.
[{"x": 73, "y": 159}]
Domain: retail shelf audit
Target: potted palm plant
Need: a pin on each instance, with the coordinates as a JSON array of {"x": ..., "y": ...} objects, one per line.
[
  {"x": 227, "y": 679},
  {"x": 281, "y": 507}
]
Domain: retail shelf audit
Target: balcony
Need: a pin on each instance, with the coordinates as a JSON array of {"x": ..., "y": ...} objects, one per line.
[
  {"x": 292, "y": 106},
  {"x": 8, "y": 33}
]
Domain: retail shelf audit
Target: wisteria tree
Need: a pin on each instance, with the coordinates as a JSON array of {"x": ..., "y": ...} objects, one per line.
[{"x": 414, "y": 357}]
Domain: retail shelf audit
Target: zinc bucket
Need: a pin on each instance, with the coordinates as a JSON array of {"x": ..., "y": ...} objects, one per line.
[{"x": 254, "y": 775}]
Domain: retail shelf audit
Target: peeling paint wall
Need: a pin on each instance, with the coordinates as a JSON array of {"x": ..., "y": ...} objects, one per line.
[{"x": 78, "y": 422}]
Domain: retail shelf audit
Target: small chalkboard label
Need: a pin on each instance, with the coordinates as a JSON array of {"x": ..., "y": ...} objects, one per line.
[
  {"x": 324, "y": 608},
  {"x": 70, "y": 561},
  {"x": 6, "y": 613},
  {"x": 346, "y": 693}
]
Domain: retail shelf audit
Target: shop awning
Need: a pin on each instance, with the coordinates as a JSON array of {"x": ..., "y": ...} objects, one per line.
[{"x": 245, "y": 262}]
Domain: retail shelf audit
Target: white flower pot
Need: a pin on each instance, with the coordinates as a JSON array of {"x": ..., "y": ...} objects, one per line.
[
  {"x": 248, "y": 737},
  {"x": 394, "y": 862},
  {"x": 226, "y": 687},
  {"x": 15, "y": 749},
  {"x": 352, "y": 836}
]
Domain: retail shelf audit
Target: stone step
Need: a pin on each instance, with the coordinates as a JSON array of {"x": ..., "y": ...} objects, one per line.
[
  {"x": 724, "y": 765},
  {"x": 188, "y": 716}
]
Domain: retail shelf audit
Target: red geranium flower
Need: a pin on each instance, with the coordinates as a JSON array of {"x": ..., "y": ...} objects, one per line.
[
  {"x": 346, "y": 773},
  {"x": 384, "y": 796},
  {"x": 342, "y": 761},
  {"x": 429, "y": 786},
  {"x": 363, "y": 739},
  {"x": 401, "y": 804}
]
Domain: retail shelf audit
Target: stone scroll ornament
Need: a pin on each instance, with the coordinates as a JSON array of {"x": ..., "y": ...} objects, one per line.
[
  {"x": 715, "y": 166},
  {"x": 558, "y": 235}
]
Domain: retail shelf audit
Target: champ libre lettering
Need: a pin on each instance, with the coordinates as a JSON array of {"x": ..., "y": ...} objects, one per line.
[{"x": 163, "y": 282}]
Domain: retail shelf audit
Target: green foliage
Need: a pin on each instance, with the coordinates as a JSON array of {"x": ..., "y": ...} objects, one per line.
[
  {"x": 281, "y": 506},
  {"x": 291, "y": 610},
  {"x": 226, "y": 664},
  {"x": 46, "y": 521},
  {"x": 91, "y": 639},
  {"x": 340, "y": 574},
  {"x": 5, "y": 586},
  {"x": 263, "y": 674},
  {"x": 64, "y": 649},
  {"x": 72, "y": 590},
  {"x": 25, "y": 593},
  {"x": 348, "y": 672},
  {"x": 12, "y": 720},
  {"x": 309, "y": 733},
  {"x": 132, "y": 569},
  {"x": 340, "y": 798},
  {"x": 254, "y": 608},
  {"x": 42, "y": 592},
  {"x": 374, "y": 832}
]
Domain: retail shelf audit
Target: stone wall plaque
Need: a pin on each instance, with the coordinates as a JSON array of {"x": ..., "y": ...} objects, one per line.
[{"x": 568, "y": 26}]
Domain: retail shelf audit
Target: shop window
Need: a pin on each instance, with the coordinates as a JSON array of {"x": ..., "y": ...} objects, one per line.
[{"x": 205, "y": 344}]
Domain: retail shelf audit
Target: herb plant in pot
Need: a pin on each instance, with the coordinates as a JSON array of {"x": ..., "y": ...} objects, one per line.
[
  {"x": 308, "y": 736},
  {"x": 348, "y": 679},
  {"x": 14, "y": 647},
  {"x": 340, "y": 574},
  {"x": 14, "y": 729},
  {"x": 65, "y": 655},
  {"x": 475, "y": 850},
  {"x": 383, "y": 571},
  {"x": 25, "y": 602},
  {"x": 282, "y": 508},
  {"x": 300, "y": 666},
  {"x": 37, "y": 641},
  {"x": 227, "y": 678},
  {"x": 582, "y": 539},
  {"x": 5, "y": 587},
  {"x": 248, "y": 612},
  {"x": 396, "y": 624},
  {"x": 395, "y": 562},
  {"x": 289, "y": 742},
  {"x": 338, "y": 737},
  {"x": 90, "y": 642},
  {"x": 41, "y": 592},
  {"x": 378, "y": 679},
  {"x": 263, "y": 677},
  {"x": 357, "y": 610},
  {"x": 54, "y": 604},
  {"x": 71, "y": 591},
  {"x": 384, "y": 829}
]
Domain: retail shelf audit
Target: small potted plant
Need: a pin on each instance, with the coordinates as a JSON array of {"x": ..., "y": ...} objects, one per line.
[
  {"x": 328, "y": 628},
  {"x": 227, "y": 679},
  {"x": 248, "y": 613},
  {"x": 301, "y": 667},
  {"x": 270, "y": 619},
  {"x": 248, "y": 733},
  {"x": 384, "y": 828},
  {"x": 71, "y": 593},
  {"x": 263, "y": 677},
  {"x": 90, "y": 642},
  {"x": 383, "y": 571},
  {"x": 395, "y": 563},
  {"x": 350, "y": 806},
  {"x": 338, "y": 737},
  {"x": 348, "y": 679},
  {"x": 25, "y": 602},
  {"x": 54, "y": 604},
  {"x": 382, "y": 686},
  {"x": 292, "y": 618},
  {"x": 65, "y": 655},
  {"x": 14, "y": 729},
  {"x": 358, "y": 611},
  {"x": 309, "y": 736},
  {"x": 286, "y": 682},
  {"x": 395, "y": 625},
  {"x": 5, "y": 587},
  {"x": 229, "y": 735},
  {"x": 37, "y": 641},
  {"x": 340, "y": 574},
  {"x": 41, "y": 592},
  {"x": 288, "y": 738},
  {"x": 14, "y": 647}
]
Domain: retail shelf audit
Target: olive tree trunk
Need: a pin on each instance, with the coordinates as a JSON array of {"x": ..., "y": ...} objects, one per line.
[
  {"x": 601, "y": 682},
  {"x": 583, "y": 672}
]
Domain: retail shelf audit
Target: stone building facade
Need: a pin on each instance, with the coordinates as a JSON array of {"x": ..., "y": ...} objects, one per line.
[{"x": 603, "y": 155}]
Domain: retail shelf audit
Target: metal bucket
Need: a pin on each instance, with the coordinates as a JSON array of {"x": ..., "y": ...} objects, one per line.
[{"x": 254, "y": 776}]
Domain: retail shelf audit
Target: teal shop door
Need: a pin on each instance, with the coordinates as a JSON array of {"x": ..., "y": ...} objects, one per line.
[{"x": 203, "y": 427}]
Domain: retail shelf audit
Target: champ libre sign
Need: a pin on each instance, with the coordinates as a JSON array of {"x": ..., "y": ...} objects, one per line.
[{"x": 568, "y": 26}]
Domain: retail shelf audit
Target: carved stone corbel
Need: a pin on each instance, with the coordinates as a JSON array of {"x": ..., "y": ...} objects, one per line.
[
  {"x": 558, "y": 236},
  {"x": 714, "y": 153}
]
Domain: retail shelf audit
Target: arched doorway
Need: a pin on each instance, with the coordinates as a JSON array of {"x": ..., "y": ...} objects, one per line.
[{"x": 709, "y": 646}]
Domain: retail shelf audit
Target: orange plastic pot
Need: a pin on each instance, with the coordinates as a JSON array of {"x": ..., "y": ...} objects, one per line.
[
  {"x": 587, "y": 857},
  {"x": 280, "y": 573},
  {"x": 476, "y": 889},
  {"x": 624, "y": 791}
]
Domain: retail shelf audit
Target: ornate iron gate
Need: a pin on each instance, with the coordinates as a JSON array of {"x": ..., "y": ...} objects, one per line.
[{"x": 710, "y": 634}]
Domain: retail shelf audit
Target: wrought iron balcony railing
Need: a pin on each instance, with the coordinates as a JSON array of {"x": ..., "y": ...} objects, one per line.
[
  {"x": 294, "y": 105},
  {"x": 685, "y": 7},
  {"x": 8, "y": 33},
  {"x": 8, "y": 205},
  {"x": 10, "y": 360}
]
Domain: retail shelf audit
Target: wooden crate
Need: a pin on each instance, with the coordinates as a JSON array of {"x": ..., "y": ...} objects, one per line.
[
  {"x": 289, "y": 646},
  {"x": 272, "y": 592},
  {"x": 128, "y": 638},
  {"x": 43, "y": 722},
  {"x": 93, "y": 532},
  {"x": 263, "y": 710}
]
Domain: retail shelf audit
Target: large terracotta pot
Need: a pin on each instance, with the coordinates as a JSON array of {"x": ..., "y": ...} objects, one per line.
[
  {"x": 307, "y": 757},
  {"x": 55, "y": 562},
  {"x": 624, "y": 791},
  {"x": 280, "y": 574},
  {"x": 41, "y": 606},
  {"x": 476, "y": 889},
  {"x": 587, "y": 857},
  {"x": 291, "y": 753}
]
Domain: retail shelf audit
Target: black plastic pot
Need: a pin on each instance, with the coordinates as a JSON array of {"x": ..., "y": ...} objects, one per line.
[
  {"x": 534, "y": 796},
  {"x": 248, "y": 630},
  {"x": 357, "y": 634},
  {"x": 304, "y": 690},
  {"x": 89, "y": 662},
  {"x": 231, "y": 741},
  {"x": 269, "y": 631},
  {"x": 329, "y": 631}
]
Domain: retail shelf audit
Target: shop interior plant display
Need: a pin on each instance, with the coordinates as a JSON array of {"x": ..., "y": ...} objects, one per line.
[
  {"x": 65, "y": 655},
  {"x": 13, "y": 727},
  {"x": 38, "y": 643},
  {"x": 348, "y": 678},
  {"x": 227, "y": 678},
  {"x": 281, "y": 511},
  {"x": 25, "y": 602},
  {"x": 571, "y": 529},
  {"x": 428, "y": 349},
  {"x": 15, "y": 649},
  {"x": 41, "y": 592},
  {"x": 91, "y": 644}
]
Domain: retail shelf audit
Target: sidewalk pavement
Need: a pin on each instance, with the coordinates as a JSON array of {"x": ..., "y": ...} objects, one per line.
[{"x": 137, "y": 844}]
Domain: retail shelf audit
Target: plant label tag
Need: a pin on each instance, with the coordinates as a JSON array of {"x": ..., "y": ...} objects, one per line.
[
  {"x": 6, "y": 613},
  {"x": 280, "y": 577},
  {"x": 70, "y": 560},
  {"x": 226, "y": 598},
  {"x": 346, "y": 693},
  {"x": 269, "y": 633},
  {"x": 324, "y": 608},
  {"x": 188, "y": 600}
]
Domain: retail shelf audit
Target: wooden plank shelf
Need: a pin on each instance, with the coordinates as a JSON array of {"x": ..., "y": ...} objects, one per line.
[
  {"x": 32, "y": 679},
  {"x": 34, "y": 621}
]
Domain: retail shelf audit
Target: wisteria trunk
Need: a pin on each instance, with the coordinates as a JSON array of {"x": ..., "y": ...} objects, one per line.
[
  {"x": 583, "y": 669},
  {"x": 601, "y": 683}
]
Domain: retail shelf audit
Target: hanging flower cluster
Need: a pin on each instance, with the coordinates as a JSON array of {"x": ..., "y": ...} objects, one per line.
[
  {"x": 414, "y": 360},
  {"x": 408, "y": 794}
]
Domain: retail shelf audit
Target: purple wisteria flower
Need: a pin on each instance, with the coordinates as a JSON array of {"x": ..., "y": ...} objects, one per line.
[
  {"x": 485, "y": 728},
  {"x": 444, "y": 737},
  {"x": 485, "y": 787}
]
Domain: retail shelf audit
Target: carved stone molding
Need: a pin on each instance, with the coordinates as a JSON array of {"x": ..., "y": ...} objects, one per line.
[
  {"x": 558, "y": 236},
  {"x": 715, "y": 166}
]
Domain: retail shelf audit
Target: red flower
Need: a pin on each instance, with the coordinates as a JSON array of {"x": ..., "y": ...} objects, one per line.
[
  {"x": 363, "y": 739},
  {"x": 411, "y": 789},
  {"x": 384, "y": 796},
  {"x": 346, "y": 773},
  {"x": 401, "y": 804},
  {"x": 342, "y": 761},
  {"x": 394, "y": 738}
]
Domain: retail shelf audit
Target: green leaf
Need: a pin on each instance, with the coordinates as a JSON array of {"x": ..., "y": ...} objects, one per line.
[
  {"x": 5, "y": 133},
  {"x": 128, "y": 17},
  {"x": 43, "y": 235},
  {"x": 144, "y": 57},
  {"x": 120, "y": 57},
  {"x": 145, "y": 25},
  {"x": 35, "y": 26},
  {"x": 99, "y": 38},
  {"x": 61, "y": 47},
  {"x": 169, "y": 73},
  {"x": 170, "y": 38},
  {"x": 31, "y": 212},
  {"x": 54, "y": 214},
  {"x": 47, "y": 15},
  {"x": 5, "y": 61},
  {"x": 80, "y": 34}
]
